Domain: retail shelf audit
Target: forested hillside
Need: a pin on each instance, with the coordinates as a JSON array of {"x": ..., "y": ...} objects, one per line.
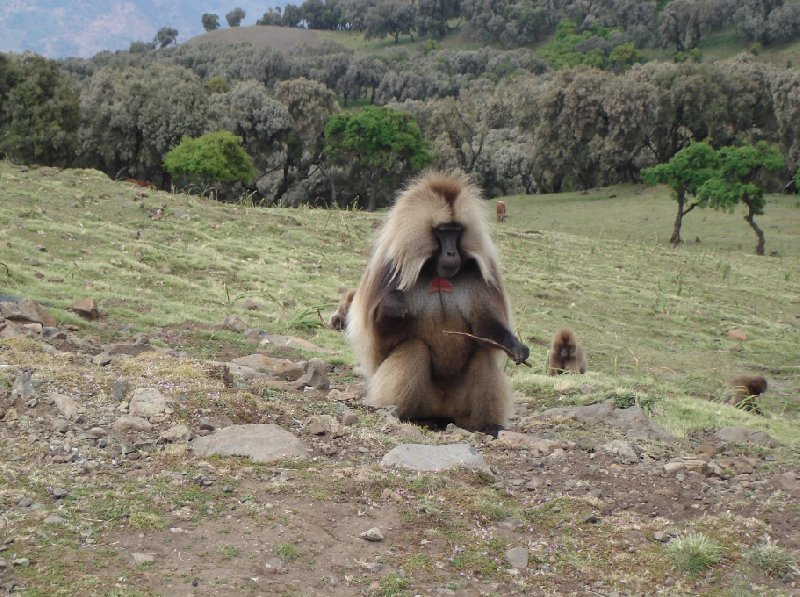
[{"x": 527, "y": 97}]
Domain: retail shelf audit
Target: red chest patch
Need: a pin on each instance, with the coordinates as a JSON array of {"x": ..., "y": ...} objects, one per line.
[{"x": 440, "y": 285}]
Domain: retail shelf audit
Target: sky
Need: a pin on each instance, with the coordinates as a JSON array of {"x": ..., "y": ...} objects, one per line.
[{"x": 70, "y": 28}]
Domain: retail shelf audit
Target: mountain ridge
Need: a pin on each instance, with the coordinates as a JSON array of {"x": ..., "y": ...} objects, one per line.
[{"x": 82, "y": 28}]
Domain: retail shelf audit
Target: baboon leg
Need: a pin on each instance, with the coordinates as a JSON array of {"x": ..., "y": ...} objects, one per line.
[
  {"x": 404, "y": 380},
  {"x": 484, "y": 394}
]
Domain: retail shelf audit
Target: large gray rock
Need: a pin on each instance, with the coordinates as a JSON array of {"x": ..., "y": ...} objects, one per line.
[
  {"x": 66, "y": 405},
  {"x": 744, "y": 435},
  {"x": 261, "y": 443},
  {"x": 633, "y": 421},
  {"x": 421, "y": 457},
  {"x": 147, "y": 402}
]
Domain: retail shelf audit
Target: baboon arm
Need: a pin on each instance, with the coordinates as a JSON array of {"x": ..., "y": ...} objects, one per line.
[
  {"x": 498, "y": 332},
  {"x": 390, "y": 312}
]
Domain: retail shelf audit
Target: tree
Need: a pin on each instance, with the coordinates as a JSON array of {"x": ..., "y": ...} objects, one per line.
[
  {"x": 737, "y": 180},
  {"x": 390, "y": 17},
  {"x": 235, "y": 17},
  {"x": 166, "y": 36},
  {"x": 210, "y": 21},
  {"x": 432, "y": 16},
  {"x": 39, "y": 112},
  {"x": 216, "y": 157},
  {"x": 380, "y": 147},
  {"x": 685, "y": 173}
]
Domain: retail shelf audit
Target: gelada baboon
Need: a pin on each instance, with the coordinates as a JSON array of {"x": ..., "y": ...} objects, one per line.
[
  {"x": 338, "y": 320},
  {"x": 434, "y": 270},
  {"x": 565, "y": 355},
  {"x": 744, "y": 391},
  {"x": 501, "y": 211}
]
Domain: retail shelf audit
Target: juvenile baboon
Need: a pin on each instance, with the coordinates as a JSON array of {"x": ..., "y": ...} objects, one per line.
[
  {"x": 565, "y": 355},
  {"x": 744, "y": 391},
  {"x": 501, "y": 211},
  {"x": 434, "y": 270},
  {"x": 338, "y": 320}
]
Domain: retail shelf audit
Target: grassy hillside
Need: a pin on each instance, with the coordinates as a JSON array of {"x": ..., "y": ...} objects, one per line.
[
  {"x": 597, "y": 262},
  {"x": 87, "y": 507}
]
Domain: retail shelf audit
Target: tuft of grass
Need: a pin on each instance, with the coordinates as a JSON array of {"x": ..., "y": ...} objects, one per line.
[
  {"x": 394, "y": 584},
  {"x": 147, "y": 521},
  {"x": 286, "y": 551},
  {"x": 694, "y": 553},
  {"x": 228, "y": 552},
  {"x": 771, "y": 559}
]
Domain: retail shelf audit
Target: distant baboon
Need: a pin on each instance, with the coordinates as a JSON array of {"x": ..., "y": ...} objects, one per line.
[
  {"x": 431, "y": 312},
  {"x": 744, "y": 391},
  {"x": 565, "y": 355},
  {"x": 501, "y": 211},
  {"x": 338, "y": 320}
]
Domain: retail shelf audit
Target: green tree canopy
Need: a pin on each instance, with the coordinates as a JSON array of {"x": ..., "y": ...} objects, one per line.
[
  {"x": 39, "y": 114},
  {"x": 737, "y": 180},
  {"x": 235, "y": 17},
  {"x": 166, "y": 36},
  {"x": 212, "y": 158},
  {"x": 685, "y": 173},
  {"x": 210, "y": 21},
  {"x": 379, "y": 145}
]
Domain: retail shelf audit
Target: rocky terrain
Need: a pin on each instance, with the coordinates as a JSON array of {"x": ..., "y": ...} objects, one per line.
[{"x": 136, "y": 469}]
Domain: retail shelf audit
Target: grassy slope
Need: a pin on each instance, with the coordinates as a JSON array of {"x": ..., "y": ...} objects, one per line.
[{"x": 654, "y": 319}]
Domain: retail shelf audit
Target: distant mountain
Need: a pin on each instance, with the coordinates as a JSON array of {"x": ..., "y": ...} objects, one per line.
[{"x": 65, "y": 28}]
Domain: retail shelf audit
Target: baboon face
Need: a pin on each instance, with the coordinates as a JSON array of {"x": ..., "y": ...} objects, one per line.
[
  {"x": 448, "y": 259},
  {"x": 565, "y": 351}
]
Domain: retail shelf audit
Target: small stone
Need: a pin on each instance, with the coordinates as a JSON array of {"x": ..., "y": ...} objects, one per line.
[
  {"x": 25, "y": 502},
  {"x": 66, "y": 405},
  {"x": 23, "y": 388},
  {"x": 517, "y": 557},
  {"x": 347, "y": 416},
  {"x": 143, "y": 558},
  {"x": 101, "y": 360},
  {"x": 737, "y": 334},
  {"x": 234, "y": 323},
  {"x": 207, "y": 425},
  {"x": 21, "y": 562},
  {"x": 86, "y": 308},
  {"x": 131, "y": 423},
  {"x": 275, "y": 566},
  {"x": 674, "y": 467},
  {"x": 661, "y": 537},
  {"x": 622, "y": 449},
  {"x": 119, "y": 390},
  {"x": 374, "y": 534},
  {"x": 558, "y": 455},
  {"x": 251, "y": 305},
  {"x": 53, "y": 519},
  {"x": 316, "y": 376},
  {"x": 177, "y": 433},
  {"x": 147, "y": 402},
  {"x": 59, "y": 493}
]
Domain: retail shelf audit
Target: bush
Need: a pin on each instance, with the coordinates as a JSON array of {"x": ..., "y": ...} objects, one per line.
[{"x": 211, "y": 158}]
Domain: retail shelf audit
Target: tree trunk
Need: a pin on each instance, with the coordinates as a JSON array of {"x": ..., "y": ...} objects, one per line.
[
  {"x": 675, "y": 239},
  {"x": 750, "y": 218}
]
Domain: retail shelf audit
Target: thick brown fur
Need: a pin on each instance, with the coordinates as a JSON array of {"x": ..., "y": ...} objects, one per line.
[
  {"x": 746, "y": 386},
  {"x": 400, "y": 312},
  {"x": 566, "y": 355},
  {"x": 338, "y": 320},
  {"x": 501, "y": 211}
]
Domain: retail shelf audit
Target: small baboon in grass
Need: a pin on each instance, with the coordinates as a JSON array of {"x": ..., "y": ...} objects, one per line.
[
  {"x": 565, "y": 355},
  {"x": 431, "y": 319},
  {"x": 501, "y": 211},
  {"x": 338, "y": 320},
  {"x": 744, "y": 390}
]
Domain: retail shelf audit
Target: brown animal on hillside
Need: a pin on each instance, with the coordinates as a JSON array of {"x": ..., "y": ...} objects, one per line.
[
  {"x": 338, "y": 320},
  {"x": 501, "y": 211},
  {"x": 744, "y": 389},
  {"x": 434, "y": 269},
  {"x": 566, "y": 355}
]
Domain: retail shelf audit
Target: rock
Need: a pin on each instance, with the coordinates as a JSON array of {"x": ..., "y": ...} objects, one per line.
[
  {"x": 539, "y": 446},
  {"x": 316, "y": 376},
  {"x": 673, "y": 467},
  {"x": 622, "y": 449},
  {"x": 119, "y": 390},
  {"x": 261, "y": 443},
  {"x": 251, "y": 305},
  {"x": 128, "y": 423},
  {"x": 633, "y": 421},
  {"x": 132, "y": 350},
  {"x": 21, "y": 562},
  {"x": 788, "y": 482},
  {"x": 53, "y": 519},
  {"x": 53, "y": 333},
  {"x": 281, "y": 368},
  {"x": 86, "y": 308},
  {"x": 557, "y": 455},
  {"x": 421, "y": 457},
  {"x": 59, "y": 493},
  {"x": 23, "y": 388},
  {"x": 346, "y": 416},
  {"x": 276, "y": 340},
  {"x": 275, "y": 566},
  {"x": 26, "y": 311},
  {"x": 744, "y": 435},
  {"x": 177, "y": 433},
  {"x": 517, "y": 557},
  {"x": 374, "y": 534},
  {"x": 737, "y": 334},
  {"x": 234, "y": 323},
  {"x": 147, "y": 402},
  {"x": 143, "y": 558},
  {"x": 66, "y": 405}
]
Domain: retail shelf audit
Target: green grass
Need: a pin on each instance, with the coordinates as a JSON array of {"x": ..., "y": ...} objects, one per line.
[
  {"x": 654, "y": 320},
  {"x": 771, "y": 559},
  {"x": 694, "y": 553}
]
